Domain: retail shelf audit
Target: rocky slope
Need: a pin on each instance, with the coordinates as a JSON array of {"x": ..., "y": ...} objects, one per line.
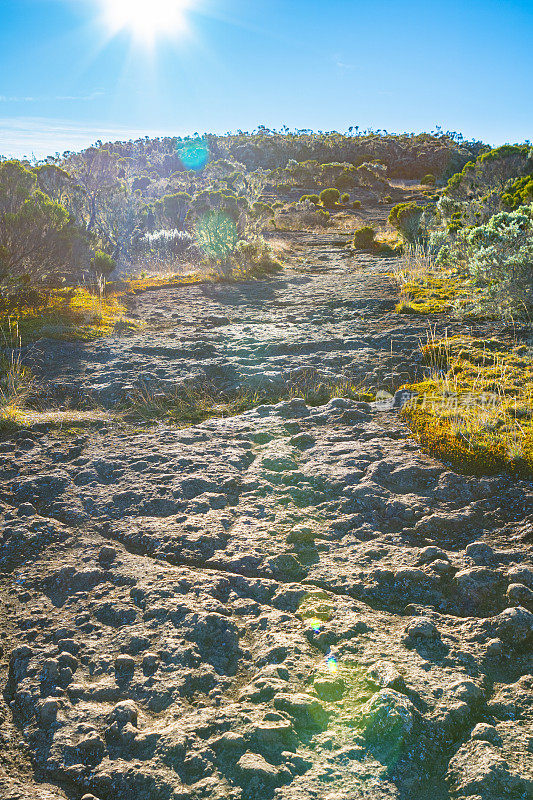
[{"x": 292, "y": 603}]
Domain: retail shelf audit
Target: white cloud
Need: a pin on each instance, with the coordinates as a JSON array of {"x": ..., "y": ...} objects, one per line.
[
  {"x": 345, "y": 66},
  {"x": 40, "y": 137},
  {"x": 84, "y": 98}
]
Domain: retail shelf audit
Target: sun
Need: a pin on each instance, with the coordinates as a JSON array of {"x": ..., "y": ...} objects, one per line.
[{"x": 146, "y": 20}]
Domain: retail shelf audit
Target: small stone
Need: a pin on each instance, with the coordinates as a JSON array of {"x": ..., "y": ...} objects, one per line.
[
  {"x": 252, "y": 765},
  {"x": 466, "y": 692},
  {"x": 49, "y": 710},
  {"x": 494, "y": 647},
  {"x": 65, "y": 676},
  {"x": 124, "y": 666},
  {"x": 273, "y": 733},
  {"x": 386, "y": 676},
  {"x": 441, "y": 567},
  {"x": 514, "y": 626},
  {"x": 421, "y": 628},
  {"x": 231, "y": 741},
  {"x": 520, "y": 595},
  {"x": 68, "y": 660},
  {"x": 125, "y": 712},
  {"x": 138, "y": 643},
  {"x": 480, "y": 552},
  {"x": 301, "y": 534},
  {"x": 431, "y": 553},
  {"x": 21, "y": 653},
  {"x": 26, "y": 509},
  {"x": 68, "y": 646},
  {"x": 107, "y": 554},
  {"x": 487, "y": 733},
  {"x": 302, "y": 707},
  {"x": 387, "y": 718},
  {"x": 149, "y": 663},
  {"x": 521, "y": 575},
  {"x": 478, "y": 587}
]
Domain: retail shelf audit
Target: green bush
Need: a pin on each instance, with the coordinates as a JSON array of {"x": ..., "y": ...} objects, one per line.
[
  {"x": 501, "y": 254},
  {"x": 357, "y": 204},
  {"x": 103, "y": 264},
  {"x": 363, "y": 238},
  {"x": 345, "y": 198},
  {"x": 38, "y": 236},
  {"x": 313, "y": 198},
  {"x": 217, "y": 236},
  {"x": 428, "y": 180},
  {"x": 405, "y": 217},
  {"x": 254, "y": 259},
  {"x": 330, "y": 197},
  {"x": 519, "y": 193}
]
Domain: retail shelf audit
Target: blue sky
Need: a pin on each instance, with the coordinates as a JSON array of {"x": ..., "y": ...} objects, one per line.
[{"x": 65, "y": 81}]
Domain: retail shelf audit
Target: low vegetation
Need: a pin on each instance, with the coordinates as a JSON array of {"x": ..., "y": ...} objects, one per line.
[
  {"x": 330, "y": 197},
  {"x": 80, "y": 231},
  {"x": 475, "y": 407},
  {"x": 75, "y": 313},
  {"x": 427, "y": 288},
  {"x": 470, "y": 255},
  {"x": 16, "y": 383},
  {"x": 191, "y": 404},
  {"x": 364, "y": 238},
  {"x": 367, "y": 240},
  {"x": 304, "y": 215},
  {"x": 406, "y": 217}
]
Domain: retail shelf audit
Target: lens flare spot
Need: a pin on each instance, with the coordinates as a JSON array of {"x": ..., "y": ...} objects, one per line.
[
  {"x": 315, "y": 624},
  {"x": 193, "y": 153},
  {"x": 332, "y": 664}
]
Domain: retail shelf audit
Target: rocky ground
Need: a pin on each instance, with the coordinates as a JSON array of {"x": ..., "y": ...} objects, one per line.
[{"x": 294, "y": 603}]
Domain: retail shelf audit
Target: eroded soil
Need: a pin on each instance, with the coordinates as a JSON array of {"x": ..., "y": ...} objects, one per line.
[{"x": 292, "y": 603}]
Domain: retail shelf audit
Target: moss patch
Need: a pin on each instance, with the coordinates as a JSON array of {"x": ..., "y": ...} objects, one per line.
[
  {"x": 476, "y": 408},
  {"x": 433, "y": 293},
  {"x": 65, "y": 314}
]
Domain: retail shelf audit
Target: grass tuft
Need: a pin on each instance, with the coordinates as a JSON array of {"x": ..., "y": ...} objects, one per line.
[
  {"x": 425, "y": 288},
  {"x": 475, "y": 408},
  {"x": 65, "y": 314},
  {"x": 192, "y": 404}
]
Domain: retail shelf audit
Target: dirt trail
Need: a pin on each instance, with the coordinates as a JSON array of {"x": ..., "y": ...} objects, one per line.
[
  {"x": 293, "y": 603},
  {"x": 329, "y": 311}
]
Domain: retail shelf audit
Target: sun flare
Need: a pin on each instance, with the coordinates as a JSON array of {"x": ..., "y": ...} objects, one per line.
[{"x": 146, "y": 20}]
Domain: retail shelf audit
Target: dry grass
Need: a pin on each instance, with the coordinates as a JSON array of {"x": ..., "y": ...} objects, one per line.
[
  {"x": 345, "y": 221},
  {"x": 425, "y": 288},
  {"x": 151, "y": 282},
  {"x": 186, "y": 405},
  {"x": 16, "y": 382},
  {"x": 475, "y": 408},
  {"x": 390, "y": 239},
  {"x": 75, "y": 313},
  {"x": 192, "y": 404},
  {"x": 315, "y": 219}
]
